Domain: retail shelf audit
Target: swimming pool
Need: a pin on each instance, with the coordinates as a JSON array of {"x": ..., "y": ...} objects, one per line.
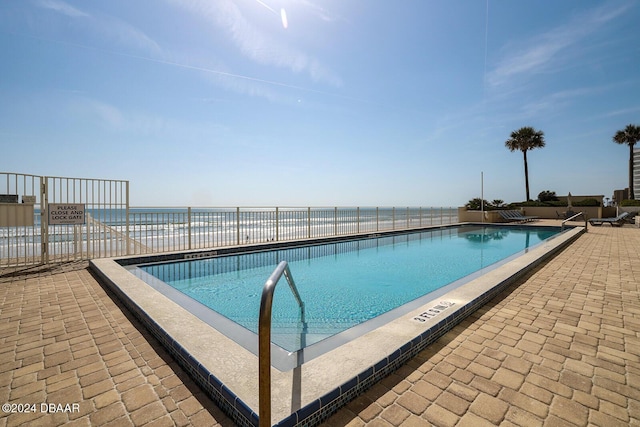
[
  {"x": 312, "y": 391},
  {"x": 342, "y": 284}
]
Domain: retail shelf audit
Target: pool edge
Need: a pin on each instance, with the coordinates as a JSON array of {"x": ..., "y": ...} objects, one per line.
[{"x": 322, "y": 407}]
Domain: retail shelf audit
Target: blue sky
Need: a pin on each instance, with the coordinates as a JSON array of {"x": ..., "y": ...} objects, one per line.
[{"x": 334, "y": 102}]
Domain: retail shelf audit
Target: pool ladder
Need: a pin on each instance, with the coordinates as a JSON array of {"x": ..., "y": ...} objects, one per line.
[{"x": 264, "y": 338}]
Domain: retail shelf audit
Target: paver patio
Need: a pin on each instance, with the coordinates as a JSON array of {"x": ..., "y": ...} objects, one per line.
[
  {"x": 560, "y": 347},
  {"x": 63, "y": 340}
]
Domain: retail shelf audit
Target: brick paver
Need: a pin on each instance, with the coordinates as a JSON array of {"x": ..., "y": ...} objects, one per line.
[
  {"x": 560, "y": 347},
  {"x": 64, "y": 341}
]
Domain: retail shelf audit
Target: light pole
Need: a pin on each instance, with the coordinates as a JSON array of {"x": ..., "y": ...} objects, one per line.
[{"x": 482, "y": 195}]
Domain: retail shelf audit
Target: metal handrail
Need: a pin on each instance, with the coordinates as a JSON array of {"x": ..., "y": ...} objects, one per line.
[
  {"x": 575, "y": 216},
  {"x": 264, "y": 338}
]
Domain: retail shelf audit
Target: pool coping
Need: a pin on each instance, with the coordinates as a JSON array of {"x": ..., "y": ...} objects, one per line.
[{"x": 309, "y": 394}]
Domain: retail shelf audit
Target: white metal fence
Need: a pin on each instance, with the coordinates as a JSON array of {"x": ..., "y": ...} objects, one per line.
[
  {"x": 111, "y": 228},
  {"x": 26, "y": 234},
  {"x": 172, "y": 229}
]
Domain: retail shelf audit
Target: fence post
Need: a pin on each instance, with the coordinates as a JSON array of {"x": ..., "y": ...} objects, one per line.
[
  {"x": 377, "y": 218},
  {"x": 408, "y": 217},
  {"x": 358, "y": 219},
  {"x": 238, "y": 226},
  {"x": 189, "y": 225},
  {"x": 77, "y": 242},
  {"x": 393, "y": 218},
  {"x": 277, "y": 224},
  {"x": 44, "y": 221},
  {"x": 309, "y": 222},
  {"x": 126, "y": 215},
  {"x": 335, "y": 221}
]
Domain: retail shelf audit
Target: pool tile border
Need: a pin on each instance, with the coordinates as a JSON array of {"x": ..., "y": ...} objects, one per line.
[{"x": 322, "y": 408}]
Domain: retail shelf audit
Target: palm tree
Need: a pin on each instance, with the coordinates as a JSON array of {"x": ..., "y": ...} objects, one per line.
[
  {"x": 630, "y": 135},
  {"x": 525, "y": 139}
]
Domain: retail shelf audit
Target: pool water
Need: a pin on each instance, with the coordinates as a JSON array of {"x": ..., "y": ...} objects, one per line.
[{"x": 346, "y": 283}]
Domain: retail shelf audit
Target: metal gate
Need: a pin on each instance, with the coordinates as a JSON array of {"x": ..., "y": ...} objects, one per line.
[{"x": 54, "y": 219}]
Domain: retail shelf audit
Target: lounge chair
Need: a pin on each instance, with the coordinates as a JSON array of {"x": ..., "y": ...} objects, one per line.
[
  {"x": 515, "y": 216},
  {"x": 508, "y": 216},
  {"x": 614, "y": 222}
]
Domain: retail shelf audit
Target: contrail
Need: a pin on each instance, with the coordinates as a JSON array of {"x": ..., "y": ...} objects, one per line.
[
  {"x": 267, "y": 6},
  {"x": 192, "y": 67},
  {"x": 218, "y": 72},
  {"x": 282, "y": 14}
]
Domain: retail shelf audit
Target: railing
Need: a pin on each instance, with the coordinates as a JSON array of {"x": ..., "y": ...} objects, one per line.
[
  {"x": 264, "y": 338},
  {"x": 174, "y": 229},
  {"x": 112, "y": 228},
  {"x": 575, "y": 216},
  {"x": 104, "y": 229}
]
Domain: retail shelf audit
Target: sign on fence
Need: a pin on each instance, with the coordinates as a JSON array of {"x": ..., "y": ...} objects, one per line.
[
  {"x": 66, "y": 214},
  {"x": 8, "y": 198}
]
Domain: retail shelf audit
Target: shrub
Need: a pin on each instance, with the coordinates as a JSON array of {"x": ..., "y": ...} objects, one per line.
[
  {"x": 630, "y": 202},
  {"x": 529, "y": 203},
  {"x": 587, "y": 202},
  {"x": 557, "y": 203},
  {"x": 547, "y": 196},
  {"x": 536, "y": 203},
  {"x": 475, "y": 204}
]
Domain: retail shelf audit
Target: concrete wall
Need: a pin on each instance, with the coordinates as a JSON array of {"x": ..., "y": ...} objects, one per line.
[
  {"x": 633, "y": 210},
  {"x": 465, "y": 215},
  {"x": 559, "y": 212}
]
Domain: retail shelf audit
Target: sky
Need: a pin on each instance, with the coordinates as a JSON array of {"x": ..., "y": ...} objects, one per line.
[{"x": 224, "y": 103}]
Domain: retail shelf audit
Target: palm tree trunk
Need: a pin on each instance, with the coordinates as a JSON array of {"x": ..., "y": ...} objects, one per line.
[
  {"x": 526, "y": 174},
  {"x": 631, "y": 192}
]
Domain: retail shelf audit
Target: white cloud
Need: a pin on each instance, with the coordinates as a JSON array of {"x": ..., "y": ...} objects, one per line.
[
  {"x": 257, "y": 44},
  {"x": 109, "y": 28},
  {"x": 61, "y": 7},
  {"x": 622, "y": 112},
  {"x": 546, "y": 52},
  {"x": 126, "y": 34},
  {"x": 97, "y": 114},
  {"x": 556, "y": 100}
]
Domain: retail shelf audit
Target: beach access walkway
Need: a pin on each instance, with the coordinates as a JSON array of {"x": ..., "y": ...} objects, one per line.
[{"x": 559, "y": 347}]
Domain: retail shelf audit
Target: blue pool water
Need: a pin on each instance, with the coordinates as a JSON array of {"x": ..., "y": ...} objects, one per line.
[{"x": 346, "y": 283}]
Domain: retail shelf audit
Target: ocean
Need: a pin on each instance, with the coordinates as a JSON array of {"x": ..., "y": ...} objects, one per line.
[{"x": 157, "y": 229}]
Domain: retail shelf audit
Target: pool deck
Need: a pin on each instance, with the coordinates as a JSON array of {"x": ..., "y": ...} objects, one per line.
[{"x": 559, "y": 347}]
